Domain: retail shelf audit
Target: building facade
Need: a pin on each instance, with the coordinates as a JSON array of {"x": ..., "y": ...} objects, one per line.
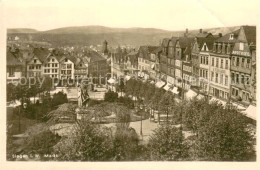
[
  {"x": 241, "y": 65},
  {"x": 220, "y": 66}
]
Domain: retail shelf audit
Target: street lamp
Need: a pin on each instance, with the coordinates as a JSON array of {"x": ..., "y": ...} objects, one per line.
[{"x": 140, "y": 108}]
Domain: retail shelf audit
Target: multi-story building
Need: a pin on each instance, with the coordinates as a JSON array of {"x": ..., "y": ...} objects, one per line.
[
  {"x": 35, "y": 63},
  {"x": 67, "y": 64},
  {"x": 220, "y": 65},
  {"x": 14, "y": 67},
  {"x": 144, "y": 61},
  {"x": 118, "y": 63},
  {"x": 182, "y": 51},
  {"x": 51, "y": 65},
  {"x": 164, "y": 60},
  {"x": 156, "y": 54},
  {"x": 241, "y": 64},
  {"x": 98, "y": 67},
  {"x": 206, "y": 46},
  {"x": 132, "y": 63},
  {"x": 81, "y": 68},
  {"x": 171, "y": 62}
]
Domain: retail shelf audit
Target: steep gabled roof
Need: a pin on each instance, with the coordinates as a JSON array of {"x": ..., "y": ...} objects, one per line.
[
  {"x": 226, "y": 38},
  {"x": 157, "y": 50},
  {"x": 41, "y": 53},
  {"x": 185, "y": 41},
  {"x": 12, "y": 60},
  {"x": 250, "y": 32}
]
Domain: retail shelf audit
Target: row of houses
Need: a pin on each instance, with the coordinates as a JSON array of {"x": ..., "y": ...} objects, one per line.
[
  {"x": 39, "y": 62},
  {"x": 223, "y": 67}
]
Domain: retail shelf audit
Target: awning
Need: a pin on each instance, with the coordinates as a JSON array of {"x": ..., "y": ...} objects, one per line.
[
  {"x": 190, "y": 94},
  {"x": 127, "y": 77},
  {"x": 167, "y": 87},
  {"x": 160, "y": 84},
  {"x": 213, "y": 99},
  {"x": 175, "y": 90},
  {"x": 241, "y": 108},
  {"x": 111, "y": 81},
  {"x": 251, "y": 112}
]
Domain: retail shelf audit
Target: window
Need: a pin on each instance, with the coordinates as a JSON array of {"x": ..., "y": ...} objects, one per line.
[
  {"x": 216, "y": 78},
  {"x": 201, "y": 59},
  {"x": 212, "y": 75},
  {"x": 56, "y": 65},
  {"x": 237, "y": 61},
  {"x": 242, "y": 79},
  {"x": 48, "y": 65},
  {"x": 219, "y": 48},
  {"x": 216, "y": 62},
  {"x": 233, "y": 91},
  {"x": 69, "y": 66},
  {"x": 226, "y": 80},
  {"x": 34, "y": 60},
  {"x": 53, "y": 65},
  {"x": 233, "y": 77},
  {"x": 221, "y": 78},
  {"x": 212, "y": 62},
  {"x": 200, "y": 73},
  {"x": 228, "y": 48},
  {"x": 204, "y": 60},
  {"x": 231, "y": 36},
  {"x": 236, "y": 92},
  {"x": 237, "y": 79},
  {"x": 243, "y": 62},
  {"x": 206, "y": 74},
  {"x": 226, "y": 66},
  {"x": 207, "y": 60},
  {"x": 66, "y": 60},
  {"x": 247, "y": 80},
  {"x": 11, "y": 71},
  {"x": 248, "y": 62},
  {"x": 233, "y": 61},
  {"x": 52, "y": 60},
  {"x": 241, "y": 46},
  {"x": 221, "y": 63}
]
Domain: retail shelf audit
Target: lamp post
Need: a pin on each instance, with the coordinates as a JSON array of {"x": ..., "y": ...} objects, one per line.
[{"x": 140, "y": 108}]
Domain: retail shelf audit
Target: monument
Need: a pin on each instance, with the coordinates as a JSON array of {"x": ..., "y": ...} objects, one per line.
[{"x": 83, "y": 96}]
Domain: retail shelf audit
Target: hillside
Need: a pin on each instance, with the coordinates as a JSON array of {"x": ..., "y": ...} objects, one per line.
[
  {"x": 21, "y": 30},
  {"x": 94, "y": 35}
]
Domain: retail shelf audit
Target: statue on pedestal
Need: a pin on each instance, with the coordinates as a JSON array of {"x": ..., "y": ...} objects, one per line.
[{"x": 83, "y": 96}]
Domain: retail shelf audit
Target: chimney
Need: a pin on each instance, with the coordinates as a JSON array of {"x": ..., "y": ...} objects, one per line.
[
  {"x": 220, "y": 34},
  {"x": 200, "y": 30}
]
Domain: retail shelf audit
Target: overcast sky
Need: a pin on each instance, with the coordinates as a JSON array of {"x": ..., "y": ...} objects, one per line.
[{"x": 164, "y": 14}]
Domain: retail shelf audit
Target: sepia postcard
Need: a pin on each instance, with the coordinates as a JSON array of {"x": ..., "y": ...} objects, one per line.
[{"x": 129, "y": 84}]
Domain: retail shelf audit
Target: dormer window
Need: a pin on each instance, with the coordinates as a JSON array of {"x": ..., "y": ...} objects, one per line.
[
  {"x": 219, "y": 48},
  {"x": 241, "y": 46},
  {"x": 66, "y": 60},
  {"x": 35, "y": 60},
  {"x": 214, "y": 47},
  {"x": 228, "y": 49},
  {"x": 231, "y": 36},
  {"x": 223, "y": 48}
]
